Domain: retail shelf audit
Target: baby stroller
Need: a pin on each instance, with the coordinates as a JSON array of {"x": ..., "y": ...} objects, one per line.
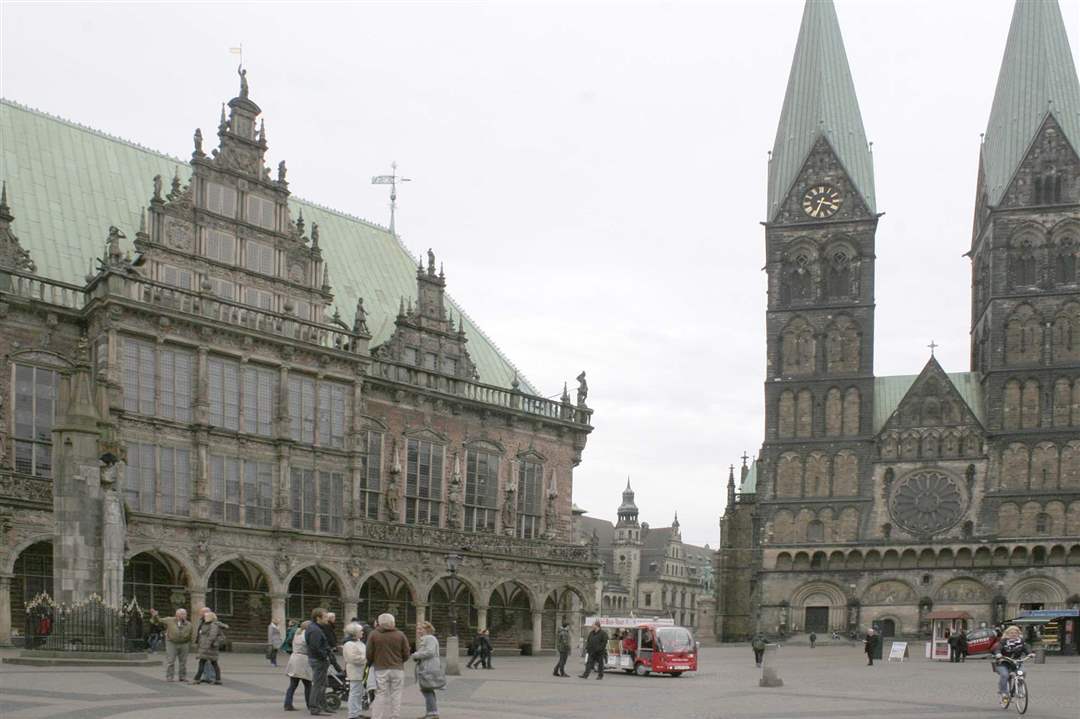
[{"x": 337, "y": 689}]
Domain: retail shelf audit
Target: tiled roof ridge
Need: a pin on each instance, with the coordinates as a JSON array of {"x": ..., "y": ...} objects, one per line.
[{"x": 172, "y": 158}]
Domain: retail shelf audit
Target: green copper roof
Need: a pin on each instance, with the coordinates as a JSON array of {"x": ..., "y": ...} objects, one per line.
[
  {"x": 1037, "y": 76},
  {"x": 889, "y": 391},
  {"x": 67, "y": 184},
  {"x": 749, "y": 483},
  {"x": 820, "y": 99}
]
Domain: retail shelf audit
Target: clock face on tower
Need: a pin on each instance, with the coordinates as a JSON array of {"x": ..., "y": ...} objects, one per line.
[{"x": 821, "y": 201}]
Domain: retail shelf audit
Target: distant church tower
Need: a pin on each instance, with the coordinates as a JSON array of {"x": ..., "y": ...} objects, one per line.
[
  {"x": 820, "y": 244},
  {"x": 627, "y": 544},
  {"x": 1025, "y": 319}
]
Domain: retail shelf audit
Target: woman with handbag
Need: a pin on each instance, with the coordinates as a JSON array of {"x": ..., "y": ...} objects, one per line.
[
  {"x": 210, "y": 639},
  {"x": 430, "y": 674}
]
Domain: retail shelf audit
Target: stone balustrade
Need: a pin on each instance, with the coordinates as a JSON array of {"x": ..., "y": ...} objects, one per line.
[{"x": 33, "y": 287}]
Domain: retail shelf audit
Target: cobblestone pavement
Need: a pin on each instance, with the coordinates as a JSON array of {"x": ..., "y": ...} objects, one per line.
[{"x": 826, "y": 682}]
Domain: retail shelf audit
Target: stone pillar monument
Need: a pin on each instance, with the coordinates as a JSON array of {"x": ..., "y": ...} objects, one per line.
[{"x": 78, "y": 495}]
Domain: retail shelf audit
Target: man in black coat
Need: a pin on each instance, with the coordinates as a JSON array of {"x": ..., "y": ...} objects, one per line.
[
  {"x": 870, "y": 646},
  {"x": 485, "y": 649},
  {"x": 320, "y": 657},
  {"x": 595, "y": 651}
]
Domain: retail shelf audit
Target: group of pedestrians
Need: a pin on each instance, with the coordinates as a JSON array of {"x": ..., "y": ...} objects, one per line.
[
  {"x": 958, "y": 646},
  {"x": 207, "y": 636}
]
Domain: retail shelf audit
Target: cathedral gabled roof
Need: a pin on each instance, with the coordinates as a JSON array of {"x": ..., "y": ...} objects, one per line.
[
  {"x": 749, "y": 482},
  {"x": 1037, "y": 77},
  {"x": 890, "y": 391},
  {"x": 69, "y": 183},
  {"x": 820, "y": 100}
]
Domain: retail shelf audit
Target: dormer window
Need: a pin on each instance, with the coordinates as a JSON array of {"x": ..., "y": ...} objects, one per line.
[
  {"x": 411, "y": 356},
  {"x": 260, "y": 211},
  {"x": 220, "y": 199},
  {"x": 449, "y": 366}
]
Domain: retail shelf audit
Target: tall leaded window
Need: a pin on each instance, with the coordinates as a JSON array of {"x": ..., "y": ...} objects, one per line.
[
  {"x": 221, "y": 199},
  {"x": 261, "y": 299},
  {"x": 223, "y": 289},
  {"x": 140, "y": 485},
  {"x": 481, "y": 490},
  {"x": 257, "y": 491},
  {"x": 370, "y": 478},
  {"x": 260, "y": 211},
  {"x": 332, "y": 414},
  {"x": 331, "y": 501},
  {"x": 139, "y": 376},
  {"x": 175, "y": 473},
  {"x": 530, "y": 482},
  {"x": 423, "y": 482},
  {"x": 35, "y": 410},
  {"x": 177, "y": 277},
  {"x": 224, "y": 379},
  {"x": 302, "y": 408},
  {"x": 317, "y": 500},
  {"x": 176, "y": 384},
  {"x": 260, "y": 389},
  {"x": 224, "y": 488},
  {"x": 259, "y": 257},
  {"x": 221, "y": 246}
]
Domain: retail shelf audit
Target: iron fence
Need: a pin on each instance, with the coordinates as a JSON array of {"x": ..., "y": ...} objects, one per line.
[{"x": 88, "y": 626}]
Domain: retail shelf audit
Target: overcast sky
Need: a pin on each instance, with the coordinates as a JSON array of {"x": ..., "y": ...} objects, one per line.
[{"x": 592, "y": 173}]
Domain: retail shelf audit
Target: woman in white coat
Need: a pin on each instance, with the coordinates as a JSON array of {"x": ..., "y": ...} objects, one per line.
[
  {"x": 298, "y": 669},
  {"x": 354, "y": 652}
]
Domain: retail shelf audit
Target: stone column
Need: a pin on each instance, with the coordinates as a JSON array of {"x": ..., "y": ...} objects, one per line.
[
  {"x": 481, "y": 618},
  {"x": 277, "y": 609},
  {"x": 5, "y": 611},
  {"x": 198, "y": 601},
  {"x": 421, "y": 612},
  {"x": 537, "y": 631},
  {"x": 349, "y": 609}
]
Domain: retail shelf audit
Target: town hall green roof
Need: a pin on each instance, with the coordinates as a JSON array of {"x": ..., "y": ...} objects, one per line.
[
  {"x": 1037, "y": 77},
  {"x": 68, "y": 183},
  {"x": 820, "y": 100}
]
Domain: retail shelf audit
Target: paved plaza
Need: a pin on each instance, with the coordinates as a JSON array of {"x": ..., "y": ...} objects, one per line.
[{"x": 831, "y": 681}]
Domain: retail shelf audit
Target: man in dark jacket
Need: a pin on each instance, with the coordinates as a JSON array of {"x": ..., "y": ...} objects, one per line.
[
  {"x": 562, "y": 643},
  {"x": 485, "y": 649},
  {"x": 474, "y": 651},
  {"x": 595, "y": 651},
  {"x": 320, "y": 657},
  {"x": 870, "y": 645}
]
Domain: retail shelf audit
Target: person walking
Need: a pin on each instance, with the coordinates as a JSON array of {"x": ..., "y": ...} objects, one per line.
[
  {"x": 486, "y": 650},
  {"x": 595, "y": 651},
  {"x": 354, "y": 654},
  {"x": 562, "y": 644},
  {"x": 474, "y": 651},
  {"x": 430, "y": 674},
  {"x": 178, "y": 635},
  {"x": 273, "y": 641},
  {"x": 320, "y": 657},
  {"x": 870, "y": 645},
  {"x": 298, "y": 669},
  {"x": 208, "y": 640},
  {"x": 961, "y": 646},
  {"x": 387, "y": 649},
  {"x": 813, "y": 639},
  {"x": 758, "y": 645},
  {"x": 290, "y": 633},
  {"x": 210, "y": 676}
]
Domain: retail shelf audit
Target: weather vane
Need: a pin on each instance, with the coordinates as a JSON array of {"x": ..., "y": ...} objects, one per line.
[{"x": 392, "y": 179}]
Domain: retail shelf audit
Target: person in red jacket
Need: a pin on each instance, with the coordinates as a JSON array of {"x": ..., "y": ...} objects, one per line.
[{"x": 629, "y": 644}]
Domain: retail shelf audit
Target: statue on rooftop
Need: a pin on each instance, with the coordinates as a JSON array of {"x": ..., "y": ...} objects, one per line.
[
  {"x": 582, "y": 389},
  {"x": 243, "y": 81}
]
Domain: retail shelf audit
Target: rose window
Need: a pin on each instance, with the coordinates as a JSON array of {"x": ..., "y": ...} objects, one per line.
[{"x": 927, "y": 502}]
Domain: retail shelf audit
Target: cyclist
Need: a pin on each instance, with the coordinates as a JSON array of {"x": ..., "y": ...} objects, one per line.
[{"x": 1009, "y": 649}]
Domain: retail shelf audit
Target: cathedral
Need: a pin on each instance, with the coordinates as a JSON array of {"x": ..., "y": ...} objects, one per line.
[
  {"x": 893, "y": 501},
  {"x": 217, "y": 394}
]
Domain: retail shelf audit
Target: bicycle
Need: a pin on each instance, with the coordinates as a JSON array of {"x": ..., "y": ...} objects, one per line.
[{"x": 1018, "y": 691}]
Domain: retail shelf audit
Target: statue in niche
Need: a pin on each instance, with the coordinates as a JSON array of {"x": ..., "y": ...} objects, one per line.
[
  {"x": 969, "y": 475},
  {"x": 582, "y": 389},
  {"x": 113, "y": 533},
  {"x": 509, "y": 509},
  {"x": 453, "y": 503}
]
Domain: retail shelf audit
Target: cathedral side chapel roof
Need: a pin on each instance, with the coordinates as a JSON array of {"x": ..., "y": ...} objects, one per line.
[
  {"x": 890, "y": 391},
  {"x": 820, "y": 99},
  {"x": 1037, "y": 76},
  {"x": 749, "y": 484},
  {"x": 69, "y": 183}
]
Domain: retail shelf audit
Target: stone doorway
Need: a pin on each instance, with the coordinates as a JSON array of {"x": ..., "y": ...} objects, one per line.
[{"x": 817, "y": 619}]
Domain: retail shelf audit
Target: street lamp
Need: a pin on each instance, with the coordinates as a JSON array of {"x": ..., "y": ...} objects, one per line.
[{"x": 453, "y": 560}]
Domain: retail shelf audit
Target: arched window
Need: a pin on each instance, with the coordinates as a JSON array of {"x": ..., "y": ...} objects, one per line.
[
  {"x": 834, "y": 413},
  {"x": 1023, "y": 336},
  {"x": 838, "y": 278},
  {"x": 1066, "y": 333},
  {"x": 1029, "y": 404},
  {"x": 1042, "y": 523},
  {"x": 1023, "y": 262},
  {"x": 815, "y": 531},
  {"x": 786, "y": 414},
  {"x": 804, "y": 413},
  {"x": 799, "y": 277},
  {"x": 842, "y": 346},
  {"x": 798, "y": 348},
  {"x": 1065, "y": 261}
]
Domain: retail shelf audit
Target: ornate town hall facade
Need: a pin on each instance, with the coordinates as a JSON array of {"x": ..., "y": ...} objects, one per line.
[
  {"x": 884, "y": 499},
  {"x": 258, "y": 404}
]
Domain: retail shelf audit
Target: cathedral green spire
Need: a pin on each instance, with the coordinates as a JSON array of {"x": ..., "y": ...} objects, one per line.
[
  {"x": 820, "y": 100},
  {"x": 1037, "y": 77}
]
